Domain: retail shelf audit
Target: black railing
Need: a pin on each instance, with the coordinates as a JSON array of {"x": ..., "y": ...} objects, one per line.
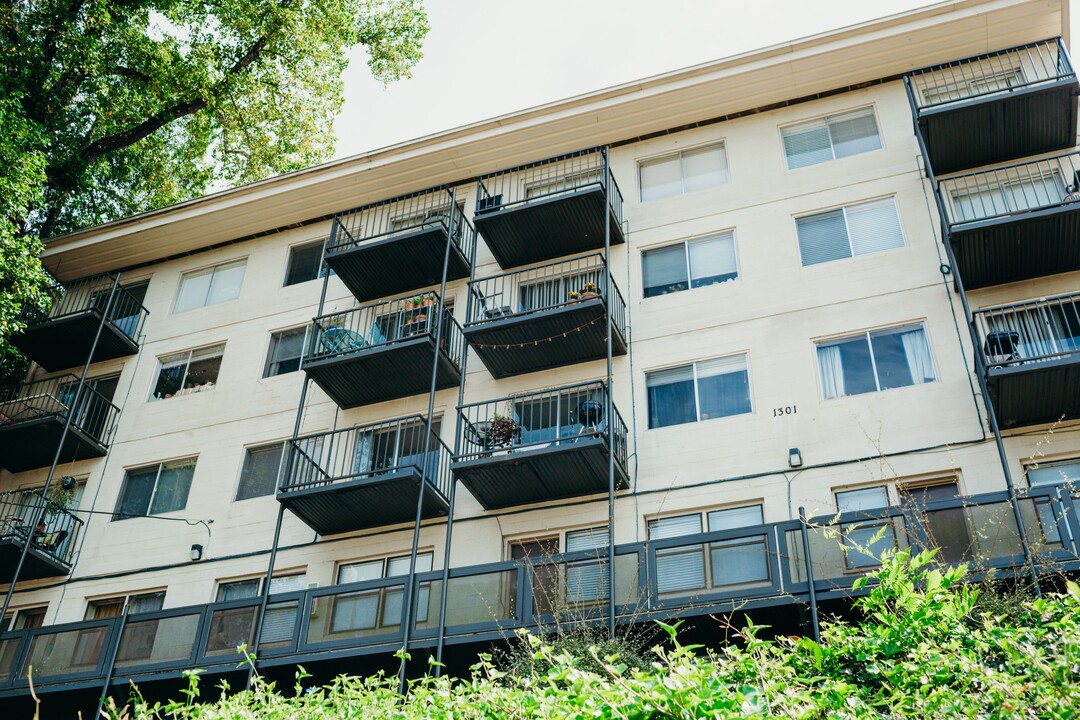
[
  {"x": 700, "y": 573},
  {"x": 126, "y": 313},
  {"x": 45, "y": 522},
  {"x": 545, "y": 179},
  {"x": 383, "y": 324},
  {"x": 982, "y": 76},
  {"x": 1030, "y": 332},
  {"x": 1011, "y": 191},
  {"x": 548, "y": 418},
  {"x": 558, "y": 284},
  {"x": 386, "y": 219},
  {"x": 55, "y": 397},
  {"x": 322, "y": 459}
]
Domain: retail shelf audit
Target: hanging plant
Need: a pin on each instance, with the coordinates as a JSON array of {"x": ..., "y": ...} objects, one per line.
[{"x": 502, "y": 430}]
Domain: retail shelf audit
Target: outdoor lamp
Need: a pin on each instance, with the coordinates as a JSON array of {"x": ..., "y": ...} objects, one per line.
[
  {"x": 196, "y": 552},
  {"x": 794, "y": 458}
]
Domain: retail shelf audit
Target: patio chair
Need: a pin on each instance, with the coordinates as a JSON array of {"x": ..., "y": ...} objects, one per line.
[{"x": 337, "y": 340}]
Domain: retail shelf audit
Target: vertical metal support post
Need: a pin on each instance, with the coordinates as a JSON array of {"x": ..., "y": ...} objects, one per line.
[
  {"x": 409, "y": 599},
  {"x": 39, "y": 513},
  {"x": 809, "y": 574},
  {"x": 113, "y": 652},
  {"x": 610, "y": 409}
]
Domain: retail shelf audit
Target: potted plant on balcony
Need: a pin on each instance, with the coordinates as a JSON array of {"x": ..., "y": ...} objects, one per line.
[
  {"x": 502, "y": 430},
  {"x": 588, "y": 291},
  {"x": 416, "y": 307}
]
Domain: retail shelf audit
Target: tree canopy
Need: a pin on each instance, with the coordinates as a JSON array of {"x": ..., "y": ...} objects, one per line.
[{"x": 112, "y": 108}]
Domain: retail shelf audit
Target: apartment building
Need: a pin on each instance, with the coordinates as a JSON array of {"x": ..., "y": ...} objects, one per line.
[{"x": 680, "y": 348}]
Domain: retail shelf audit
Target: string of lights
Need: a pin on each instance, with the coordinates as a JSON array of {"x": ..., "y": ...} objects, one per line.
[{"x": 534, "y": 343}]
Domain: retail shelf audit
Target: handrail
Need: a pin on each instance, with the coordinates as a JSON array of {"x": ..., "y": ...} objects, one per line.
[
  {"x": 1030, "y": 331},
  {"x": 57, "y": 535},
  {"x": 53, "y": 397},
  {"x": 91, "y": 294}
]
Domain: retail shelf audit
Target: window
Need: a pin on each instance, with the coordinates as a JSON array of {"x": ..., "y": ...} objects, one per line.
[
  {"x": 701, "y": 391},
  {"x": 864, "y": 542},
  {"x": 114, "y": 606},
  {"x": 251, "y": 588},
  {"x": 210, "y": 286},
  {"x": 380, "y": 607},
  {"x": 829, "y": 138},
  {"x": 286, "y": 348},
  {"x": 232, "y": 627},
  {"x": 155, "y": 489},
  {"x": 24, "y": 619},
  {"x": 305, "y": 263},
  {"x": 873, "y": 361},
  {"x": 683, "y": 172},
  {"x": 848, "y": 231},
  {"x": 260, "y": 473},
  {"x": 586, "y": 580},
  {"x": 188, "y": 372},
  {"x": 736, "y": 561},
  {"x": 944, "y": 528},
  {"x": 138, "y": 639},
  {"x": 1053, "y": 473},
  {"x": 694, "y": 263}
]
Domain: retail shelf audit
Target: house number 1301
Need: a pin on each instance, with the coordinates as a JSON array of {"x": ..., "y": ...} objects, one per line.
[{"x": 788, "y": 410}]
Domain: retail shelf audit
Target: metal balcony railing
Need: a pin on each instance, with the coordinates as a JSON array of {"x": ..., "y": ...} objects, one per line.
[
  {"x": 55, "y": 532},
  {"x": 384, "y": 324},
  {"x": 1030, "y": 332},
  {"x": 55, "y": 397},
  {"x": 547, "y": 418},
  {"x": 545, "y": 179},
  {"x": 1011, "y": 191},
  {"x": 1019, "y": 68},
  {"x": 322, "y": 459},
  {"x": 555, "y": 285},
  {"x": 126, "y": 313}
]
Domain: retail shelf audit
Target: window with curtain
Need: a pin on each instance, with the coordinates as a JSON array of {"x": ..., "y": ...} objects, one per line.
[
  {"x": 874, "y": 361},
  {"x": 380, "y": 607},
  {"x": 829, "y": 138},
  {"x": 210, "y": 286},
  {"x": 849, "y": 231},
  {"x": 155, "y": 489},
  {"x": 689, "y": 264},
  {"x": 701, "y": 391},
  {"x": 286, "y": 349},
  {"x": 865, "y": 541},
  {"x": 188, "y": 372},
  {"x": 683, "y": 172},
  {"x": 259, "y": 474}
]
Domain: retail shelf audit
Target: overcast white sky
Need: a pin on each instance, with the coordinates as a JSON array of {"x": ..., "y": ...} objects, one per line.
[{"x": 489, "y": 57}]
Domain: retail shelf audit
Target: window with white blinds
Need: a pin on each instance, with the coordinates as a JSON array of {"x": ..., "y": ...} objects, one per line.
[
  {"x": 682, "y": 568},
  {"x": 683, "y": 172},
  {"x": 586, "y": 580},
  {"x": 369, "y": 609},
  {"x": 849, "y": 231},
  {"x": 689, "y": 264},
  {"x": 1067, "y": 471},
  {"x": 210, "y": 286},
  {"x": 829, "y": 138}
]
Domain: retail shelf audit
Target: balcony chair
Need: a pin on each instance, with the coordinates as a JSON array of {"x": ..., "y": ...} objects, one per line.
[
  {"x": 1001, "y": 347},
  {"x": 337, "y": 340},
  {"x": 492, "y": 312},
  {"x": 53, "y": 540}
]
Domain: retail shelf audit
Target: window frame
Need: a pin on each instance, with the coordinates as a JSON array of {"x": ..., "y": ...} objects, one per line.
[
  {"x": 300, "y": 330},
  {"x": 243, "y": 466},
  {"x": 213, "y": 269},
  {"x": 870, "y": 109},
  {"x": 867, "y": 335},
  {"x": 643, "y": 161},
  {"x": 117, "y": 515},
  {"x": 847, "y": 229},
  {"x": 381, "y": 594},
  {"x": 16, "y": 614},
  {"x": 156, "y": 379},
  {"x": 685, "y": 243},
  {"x": 323, "y": 270},
  {"x": 697, "y": 395}
]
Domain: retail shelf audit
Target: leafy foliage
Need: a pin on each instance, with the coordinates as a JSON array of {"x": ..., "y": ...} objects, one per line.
[{"x": 923, "y": 651}]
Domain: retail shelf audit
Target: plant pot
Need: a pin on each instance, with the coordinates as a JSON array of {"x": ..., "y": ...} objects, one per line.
[{"x": 589, "y": 295}]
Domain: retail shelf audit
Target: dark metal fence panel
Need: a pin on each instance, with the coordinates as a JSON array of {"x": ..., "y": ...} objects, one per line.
[
  {"x": 365, "y": 451},
  {"x": 1030, "y": 331},
  {"x": 93, "y": 414},
  {"x": 1004, "y": 71},
  {"x": 57, "y": 533},
  {"x": 126, "y": 313},
  {"x": 545, "y": 179},
  {"x": 1010, "y": 190}
]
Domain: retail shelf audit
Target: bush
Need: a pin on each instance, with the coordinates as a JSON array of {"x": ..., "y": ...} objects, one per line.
[{"x": 924, "y": 650}]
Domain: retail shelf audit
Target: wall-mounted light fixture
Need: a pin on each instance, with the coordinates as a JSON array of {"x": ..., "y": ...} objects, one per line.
[
  {"x": 794, "y": 458},
  {"x": 196, "y": 552}
]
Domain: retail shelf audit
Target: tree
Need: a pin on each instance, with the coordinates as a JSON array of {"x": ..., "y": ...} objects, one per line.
[{"x": 112, "y": 108}]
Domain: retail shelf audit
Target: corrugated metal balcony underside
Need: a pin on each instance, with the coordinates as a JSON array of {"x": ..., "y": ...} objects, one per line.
[
  {"x": 1018, "y": 247},
  {"x": 398, "y": 264},
  {"x": 548, "y": 228},
  {"x": 1036, "y": 393},
  {"x": 1000, "y": 127},
  {"x": 345, "y": 505},
  {"x": 545, "y": 339},
  {"x": 38, "y": 564},
  {"x": 30, "y": 444},
  {"x": 382, "y": 373},
  {"x": 65, "y": 342},
  {"x": 538, "y": 474}
]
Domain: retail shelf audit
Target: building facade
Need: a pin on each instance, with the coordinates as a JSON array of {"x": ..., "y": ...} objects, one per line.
[{"x": 744, "y": 325}]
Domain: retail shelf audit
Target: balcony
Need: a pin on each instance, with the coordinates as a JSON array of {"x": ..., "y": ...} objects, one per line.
[
  {"x": 1032, "y": 352},
  {"x": 366, "y": 476},
  {"x": 549, "y": 209},
  {"x": 52, "y": 539},
  {"x": 62, "y": 337},
  {"x": 545, "y": 317},
  {"x": 396, "y": 246},
  {"x": 32, "y": 418},
  {"x": 384, "y": 351},
  {"x": 1014, "y": 223},
  {"x": 995, "y": 107},
  {"x": 540, "y": 446}
]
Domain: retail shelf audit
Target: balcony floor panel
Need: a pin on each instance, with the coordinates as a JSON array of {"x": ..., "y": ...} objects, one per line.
[
  {"x": 38, "y": 564},
  {"x": 65, "y": 342},
  {"x": 1036, "y": 393},
  {"x": 1018, "y": 247},
  {"x": 585, "y": 339},
  {"x": 397, "y": 265},
  {"x": 30, "y": 444},
  {"x": 345, "y": 505},
  {"x": 527, "y": 476},
  {"x": 543, "y": 229},
  {"x": 1001, "y": 127},
  {"x": 382, "y": 373}
]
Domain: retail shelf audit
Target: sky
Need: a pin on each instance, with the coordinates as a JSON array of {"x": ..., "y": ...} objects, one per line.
[{"x": 484, "y": 58}]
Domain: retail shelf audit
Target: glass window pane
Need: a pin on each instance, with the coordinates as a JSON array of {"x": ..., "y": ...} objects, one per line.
[
  {"x": 1052, "y": 474},
  {"x": 173, "y": 486},
  {"x": 203, "y": 368},
  {"x": 671, "y": 397},
  {"x": 807, "y": 145},
  {"x": 238, "y": 590},
  {"x": 857, "y": 367},
  {"x": 664, "y": 270},
  {"x": 854, "y": 133},
  {"x": 712, "y": 260},
  {"x": 225, "y": 284},
  {"x": 674, "y": 526},
  {"x": 259, "y": 475},
  {"x": 872, "y": 498},
  {"x": 823, "y": 237},
  {"x": 194, "y": 288},
  {"x": 734, "y": 518},
  {"x": 737, "y": 562},
  {"x": 358, "y": 572},
  {"x": 304, "y": 263},
  {"x": 660, "y": 178},
  {"x": 723, "y": 387},
  {"x": 135, "y": 495},
  {"x": 590, "y": 539},
  {"x": 874, "y": 227},
  {"x": 680, "y": 569},
  {"x": 902, "y": 357},
  {"x": 286, "y": 347},
  {"x": 704, "y": 168}
]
